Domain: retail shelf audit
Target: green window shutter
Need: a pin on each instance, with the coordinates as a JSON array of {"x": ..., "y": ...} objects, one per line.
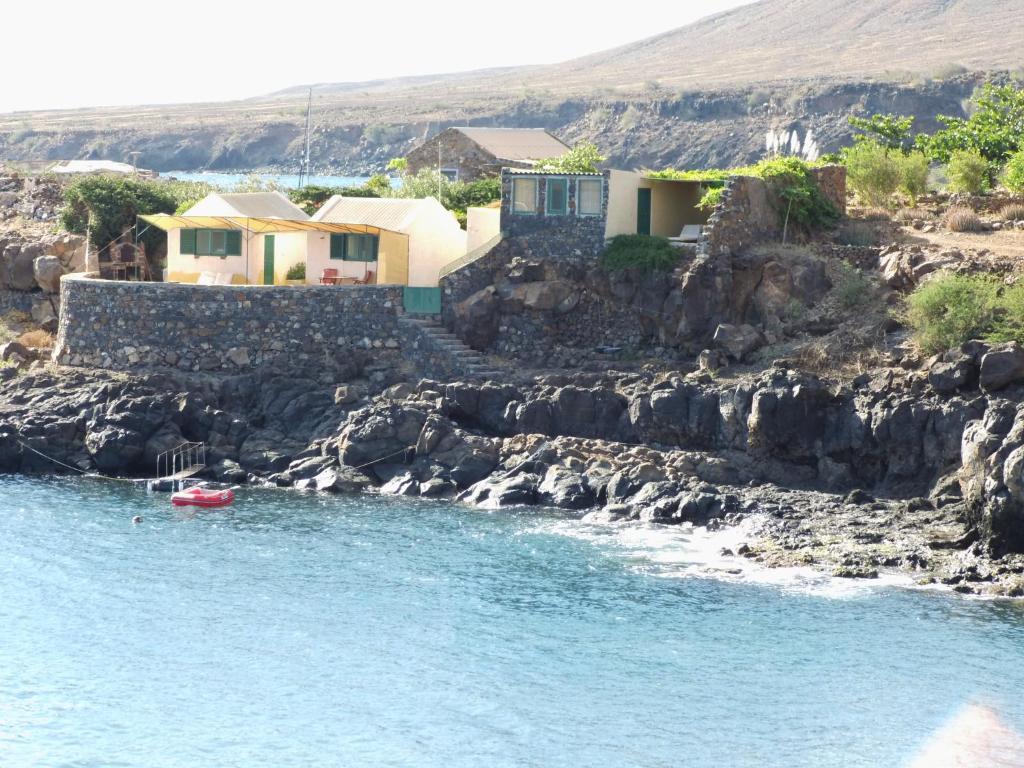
[
  {"x": 188, "y": 241},
  {"x": 234, "y": 244},
  {"x": 337, "y": 246}
]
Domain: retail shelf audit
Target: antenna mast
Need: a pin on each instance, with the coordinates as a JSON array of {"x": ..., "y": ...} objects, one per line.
[{"x": 304, "y": 166}]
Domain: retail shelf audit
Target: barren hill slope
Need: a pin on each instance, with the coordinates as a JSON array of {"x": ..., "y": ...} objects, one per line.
[
  {"x": 776, "y": 40},
  {"x": 720, "y": 83}
]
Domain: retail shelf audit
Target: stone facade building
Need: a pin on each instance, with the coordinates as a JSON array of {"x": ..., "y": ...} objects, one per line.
[{"x": 468, "y": 154}]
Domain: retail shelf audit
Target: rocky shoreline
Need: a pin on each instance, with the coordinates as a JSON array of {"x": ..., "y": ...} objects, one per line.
[{"x": 884, "y": 472}]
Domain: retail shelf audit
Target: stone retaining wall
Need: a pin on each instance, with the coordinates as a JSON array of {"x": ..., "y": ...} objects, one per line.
[
  {"x": 17, "y": 301},
  {"x": 123, "y": 325}
]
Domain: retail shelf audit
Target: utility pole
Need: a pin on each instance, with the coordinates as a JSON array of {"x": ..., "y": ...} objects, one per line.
[{"x": 304, "y": 166}]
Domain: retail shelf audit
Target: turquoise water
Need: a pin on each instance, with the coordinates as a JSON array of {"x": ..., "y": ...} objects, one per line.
[
  {"x": 289, "y": 180},
  {"x": 308, "y": 631}
]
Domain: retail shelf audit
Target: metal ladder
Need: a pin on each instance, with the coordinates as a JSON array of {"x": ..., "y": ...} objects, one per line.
[{"x": 179, "y": 463}]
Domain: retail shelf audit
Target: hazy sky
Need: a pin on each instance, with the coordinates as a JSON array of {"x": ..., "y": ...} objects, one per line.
[{"x": 73, "y": 54}]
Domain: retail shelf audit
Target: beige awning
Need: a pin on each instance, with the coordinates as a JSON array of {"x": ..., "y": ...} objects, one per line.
[{"x": 168, "y": 222}]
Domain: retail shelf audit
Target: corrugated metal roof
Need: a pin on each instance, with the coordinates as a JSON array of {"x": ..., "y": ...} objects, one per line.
[
  {"x": 262, "y": 205},
  {"x": 396, "y": 214},
  {"x": 516, "y": 143},
  {"x": 92, "y": 166},
  {"x": 167, "y": 223},
  {"x": 542, "y": 172}
]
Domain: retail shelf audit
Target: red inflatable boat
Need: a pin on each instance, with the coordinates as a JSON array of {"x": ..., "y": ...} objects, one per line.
[{"x": 202, "y": 497}]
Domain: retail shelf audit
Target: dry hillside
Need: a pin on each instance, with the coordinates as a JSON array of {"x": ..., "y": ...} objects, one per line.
[{"x": 702, "y": 94}]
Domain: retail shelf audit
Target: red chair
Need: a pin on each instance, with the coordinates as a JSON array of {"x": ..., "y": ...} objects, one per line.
[
  {"x": 368, "y": 278},
  {"x": 329, "y": 277}
]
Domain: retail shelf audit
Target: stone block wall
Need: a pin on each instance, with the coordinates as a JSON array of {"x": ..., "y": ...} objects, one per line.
[
  {"x": 831, "y": 180},
  {"x": 125, "y": 325},
  {"x": 555, "y": 236},
  {"x": 459, "y": 152},
  {"x": 744, "y": 216}
]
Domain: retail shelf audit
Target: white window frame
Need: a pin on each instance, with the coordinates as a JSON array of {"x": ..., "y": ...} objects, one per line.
[{"x": 600, "y": 198}]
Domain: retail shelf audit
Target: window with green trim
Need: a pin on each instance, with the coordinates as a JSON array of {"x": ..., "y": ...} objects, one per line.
[
  {"x": 524, "y": 195},
  {"x": 211, "y": 242},
  {"x": 588, "y": 197},
  {"x": 557, "y": 197},
  {"x": 354, "y": 247}
]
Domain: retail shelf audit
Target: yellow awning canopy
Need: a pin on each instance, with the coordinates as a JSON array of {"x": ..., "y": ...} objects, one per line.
[{"x": 168, "y": 222}]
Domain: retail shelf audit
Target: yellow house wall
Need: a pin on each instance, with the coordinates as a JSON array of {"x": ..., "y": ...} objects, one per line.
[
  {"x": 622, "y": 187},
  {"x": 186, "y": 268},
  {"x": 392, "y": 254},
  {"x": 289, "y": 248},
  {"x": 673, "y": 205},
  {"x": 482, "y": 225},
  {"x": 435, "y": 239}
]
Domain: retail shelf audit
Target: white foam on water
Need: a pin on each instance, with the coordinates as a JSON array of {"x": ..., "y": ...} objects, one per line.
[{"x": 695, "y": 552}]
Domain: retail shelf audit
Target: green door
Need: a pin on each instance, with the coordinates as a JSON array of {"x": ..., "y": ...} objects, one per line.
[
  {"x": 268, "y": 259},
  {"x": 422, "y": 301},
  {"x": 643, "y": 211}
]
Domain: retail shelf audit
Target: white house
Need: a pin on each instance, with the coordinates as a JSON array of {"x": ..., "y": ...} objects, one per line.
[
  {"x": 255, "y": 238},
  {"x": 221, "y": 242}
]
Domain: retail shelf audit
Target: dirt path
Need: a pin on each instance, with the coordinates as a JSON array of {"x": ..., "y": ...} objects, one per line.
[{"x": 1008, "y": 244}]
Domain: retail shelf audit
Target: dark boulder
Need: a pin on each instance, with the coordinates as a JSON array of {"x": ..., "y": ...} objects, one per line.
[
  {"x": 565, "y": 489},
  {"x": 498, "y": 492},
  {"x": 1002, "y": 366}
]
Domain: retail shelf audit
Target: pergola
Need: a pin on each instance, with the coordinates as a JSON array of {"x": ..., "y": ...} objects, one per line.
[{"x": 167, "y": 222}]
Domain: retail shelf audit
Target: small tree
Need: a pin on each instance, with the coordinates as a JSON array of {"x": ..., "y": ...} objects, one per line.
[
  {"x": 873, "y": 171},
  {"x": 583, "y": 158},
  {"x": 995, "y": 129},
  {"x": 914, "y": 169},
  {"x": 1013, "y": 174},
  {"x": 891, "y": 131},
  {"x": 108, "y": 205},
  {"x": 968, "y": 171}
]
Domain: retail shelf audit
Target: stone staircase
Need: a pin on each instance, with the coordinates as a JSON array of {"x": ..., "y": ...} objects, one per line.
[{"x": 463, "y": 358}]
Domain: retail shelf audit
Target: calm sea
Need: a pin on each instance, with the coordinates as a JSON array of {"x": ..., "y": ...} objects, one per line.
[
  {"x": 299, "y": 630},
  {"x": 287, "y": 180}
]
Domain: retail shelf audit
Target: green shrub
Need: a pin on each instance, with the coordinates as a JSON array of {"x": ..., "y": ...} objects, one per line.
[
  {"x": 914, "y": 169},
  {"x": 296, "y": 271},
  {"x": 1009, "y": 319},
  {"x": 1012, "y": 212},
  {"x": 1013, "y": 174},
  {"x": 874, "y": 172},
  {"x": 643, "y": 252},
  {"x": 802, "y": 202},
  {"x": 583, "y": 158},
  {"x": 960, "y": 218},
  {"x": 950, "y": 309},
  {"x": 112, "y": 203},
  {"x": 968, "y": 172},
  {"x": 710, "y": 199}
]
